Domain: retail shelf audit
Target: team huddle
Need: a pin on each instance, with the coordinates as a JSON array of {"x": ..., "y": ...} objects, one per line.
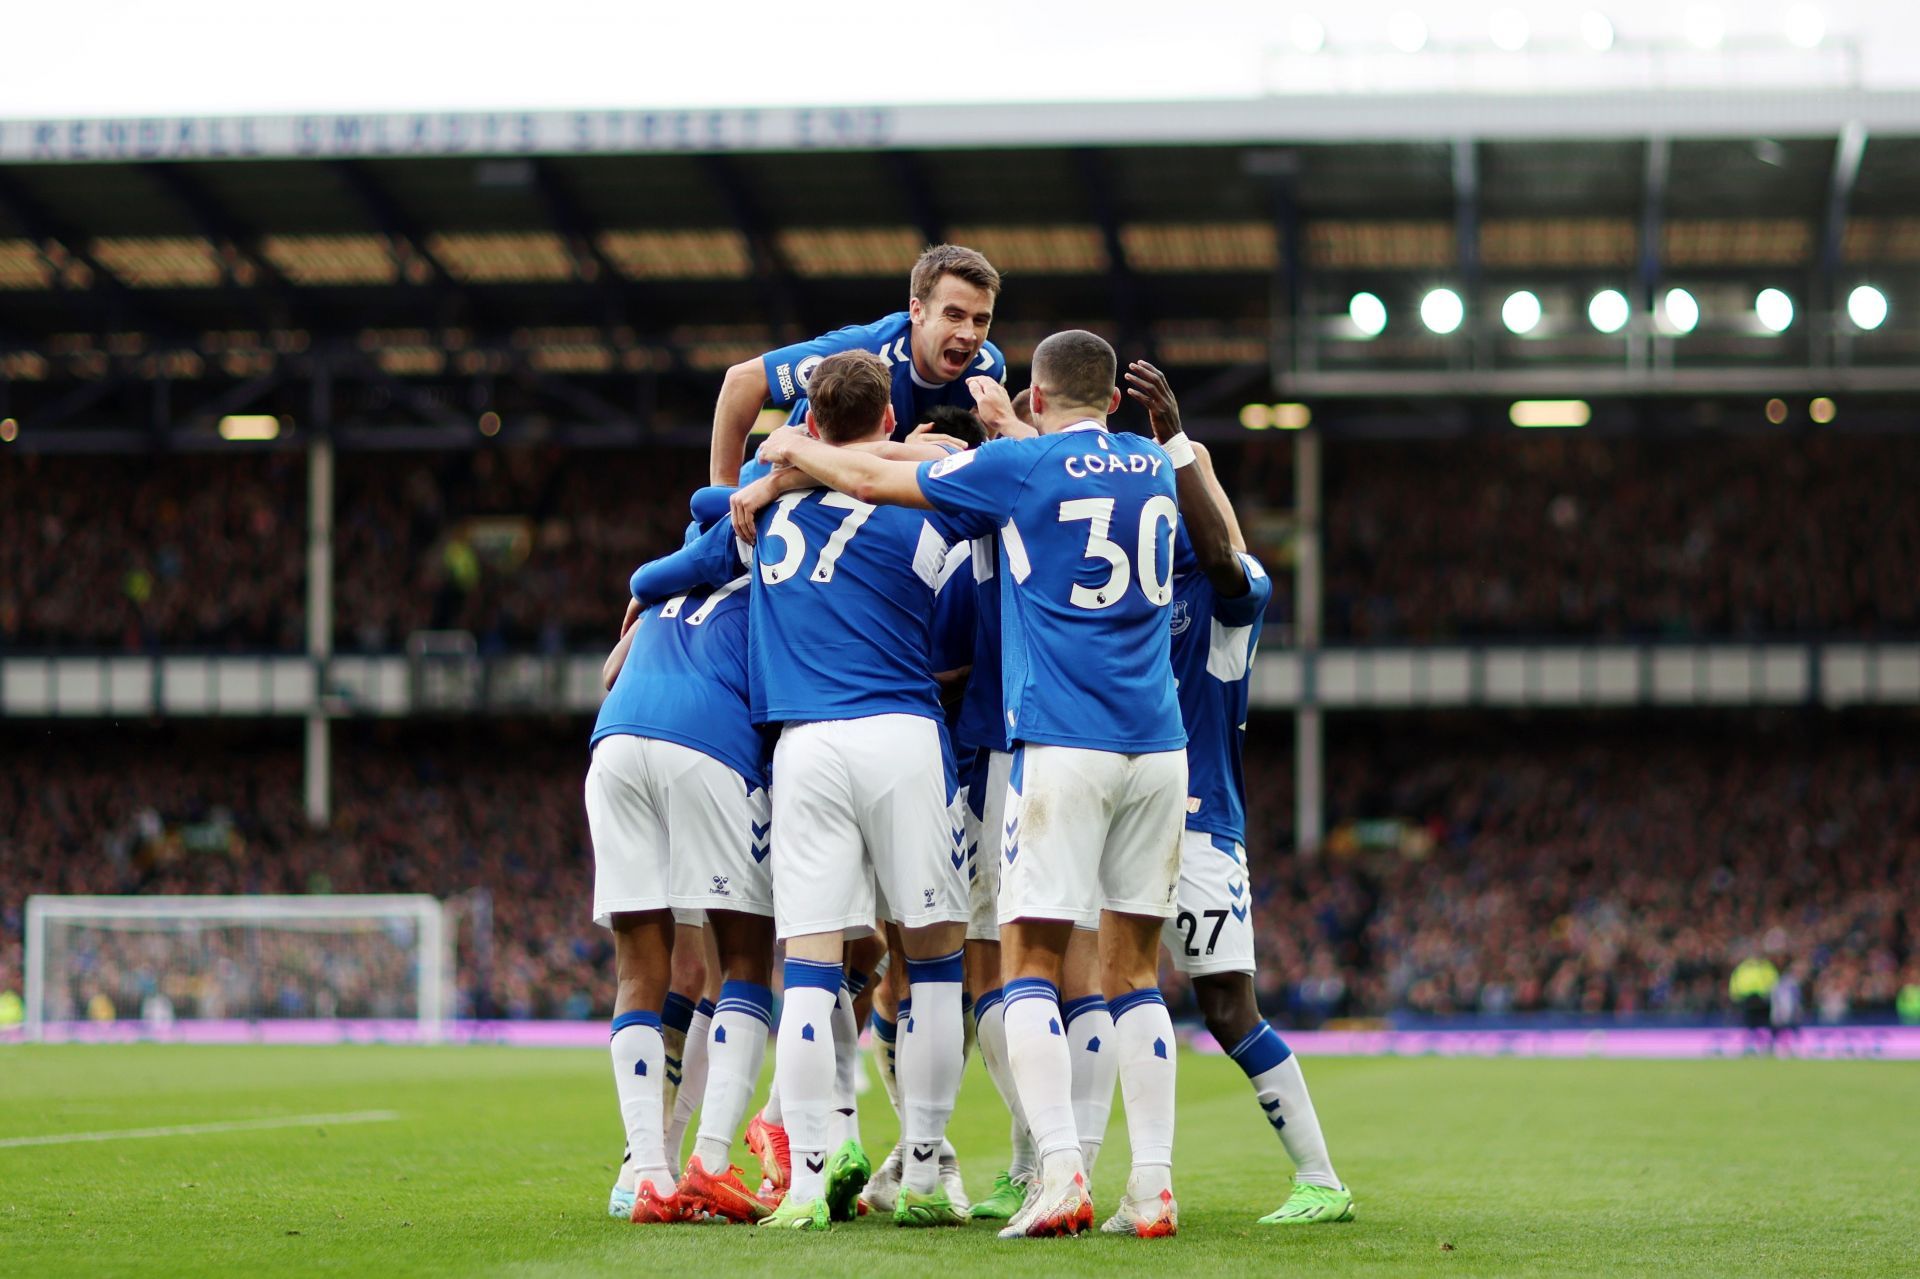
[{"x": 946, "y": 692}]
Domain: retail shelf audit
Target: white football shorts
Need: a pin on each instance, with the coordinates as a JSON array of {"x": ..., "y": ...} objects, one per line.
[
  {"x": 864, "y": 806},
  {"x": 1088, "y": 830},
  {"x": 1212, "y": 928},
  {"x": 672, "y": 827}
]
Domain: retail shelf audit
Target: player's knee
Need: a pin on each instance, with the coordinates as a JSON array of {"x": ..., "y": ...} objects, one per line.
[
  {"x": 689, "y": 970},
  {"x": 1227, "y": 1005}
]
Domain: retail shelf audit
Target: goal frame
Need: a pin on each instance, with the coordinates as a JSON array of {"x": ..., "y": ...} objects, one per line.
[{"x": 435, "y": 970}]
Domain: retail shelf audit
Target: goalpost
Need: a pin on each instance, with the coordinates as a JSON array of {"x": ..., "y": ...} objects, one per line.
[{"x": 170, "y": 966}]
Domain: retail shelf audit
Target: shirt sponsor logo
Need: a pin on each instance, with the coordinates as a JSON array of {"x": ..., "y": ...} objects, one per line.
[{"x": 785, "y": 373}]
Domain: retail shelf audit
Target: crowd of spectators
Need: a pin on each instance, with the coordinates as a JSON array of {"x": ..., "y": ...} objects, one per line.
[
  {"x": 1569, "y": 867},
  {"x": 1566, "y": 536},
  {"x": 1509, "y": 537}
]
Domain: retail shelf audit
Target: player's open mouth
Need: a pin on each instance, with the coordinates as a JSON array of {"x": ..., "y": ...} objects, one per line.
[{"x": 954, "y": 359}]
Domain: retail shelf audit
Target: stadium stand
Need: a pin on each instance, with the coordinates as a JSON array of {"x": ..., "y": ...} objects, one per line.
[
  {"x": 1799, "y": 537},
  {"x": 1561, "y": 867}
]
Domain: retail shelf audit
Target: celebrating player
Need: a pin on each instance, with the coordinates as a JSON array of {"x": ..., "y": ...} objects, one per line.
[
  {"x": 1220, "y": 596},
  {"x": 839, "y": 657},
  {"x": 1099, "y": 776},
  {"x": 930, "y": 351},
  {"x": 677, "y": 808}
]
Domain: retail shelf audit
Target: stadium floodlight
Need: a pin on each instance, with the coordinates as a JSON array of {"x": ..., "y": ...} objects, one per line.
[
  {"x": 1368, "y": 313},
  {"x": 489, "y": 423},
  {"x": 1441, "y": 310},
  {"x": 1596, "y": 30},
  {"x": 1608, "y": 311},
  {"x": 1407, "y": 31},
  {"x": 1706, "y": 26},
  {"x": 1535, "y": 414},
  {"x": 1309, "y": 34},
  {"x": 9, "y": 430},
  {"x": 1682, "y": 312},
  {"x": 249, "y": 426},
  {"x": 1822, "y": 410},
  {"x": 1520, "y": 312},
  {"x": 1806, "y": 26},
  {"x": 1775, "y": 310},
  {"x": 1508, "y": 27},
  {"x": 1867, "y": 307}
]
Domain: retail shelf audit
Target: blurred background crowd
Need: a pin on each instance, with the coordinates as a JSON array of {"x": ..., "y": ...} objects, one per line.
[
  {"x": 526, "y": 549},
  {"x": 1564, "y": 865}
]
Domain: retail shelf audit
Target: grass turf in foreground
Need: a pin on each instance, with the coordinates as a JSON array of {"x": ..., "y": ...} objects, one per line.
[{"x": 501, "y": 1159}]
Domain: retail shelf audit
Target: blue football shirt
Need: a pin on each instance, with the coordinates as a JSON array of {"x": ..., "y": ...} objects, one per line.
[
  {"x": 1085, "y": 519},
  {"x": 843, "y": 602},
  {"x": 1214, "y": 642},
  {"x": 685, "y": 679}
]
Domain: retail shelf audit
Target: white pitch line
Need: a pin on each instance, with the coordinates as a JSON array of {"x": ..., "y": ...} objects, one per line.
[{"x": 195, "y": 1130}]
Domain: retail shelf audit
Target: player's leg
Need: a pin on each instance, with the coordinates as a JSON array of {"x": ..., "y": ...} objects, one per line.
[
  {"x": 983, "y": 815},
  {"x": 889, "y": 992},
  {"x": 905, "y": 813},
  {"x": 641, "y": 946},
  {"x": 1140, "y": 878},
  {"x": 720, "y": 825},
  {"x": 742, "y": 1018},
  {"x": 863, "y": 956},
  {"x": 1210, "y": 939},
  {"x": 1049, "y": 868},
  {"x": 822, "y": 887},
  {"x": 689, "y": 1016},
  {"x": 631, "y": 869},
  {"x": 1232, "y": 1014},
  {"x": 1090, "y": 1044}
]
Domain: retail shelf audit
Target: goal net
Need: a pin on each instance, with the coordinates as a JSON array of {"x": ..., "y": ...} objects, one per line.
[{"x": 237, "y": 967}]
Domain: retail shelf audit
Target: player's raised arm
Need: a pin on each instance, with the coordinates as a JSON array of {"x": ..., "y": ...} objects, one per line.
[
  {"x": 743, "y": 393},
  {"x": 1207, "y": 526}
]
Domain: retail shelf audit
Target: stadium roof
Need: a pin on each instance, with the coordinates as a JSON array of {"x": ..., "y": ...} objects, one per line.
[{"x": 615, "y": 287}]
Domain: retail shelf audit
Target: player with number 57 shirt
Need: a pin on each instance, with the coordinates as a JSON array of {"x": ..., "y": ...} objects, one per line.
[{"x": 1085, "y": 519}]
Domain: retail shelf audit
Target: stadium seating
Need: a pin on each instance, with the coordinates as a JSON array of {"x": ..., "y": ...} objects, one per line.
[
  {"x": 1506, "y": 539},
  {"x": 1570, "y": 867}
]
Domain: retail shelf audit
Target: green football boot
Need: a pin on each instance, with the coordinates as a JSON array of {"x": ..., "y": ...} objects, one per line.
[
  {"x": 847, "y": 1174},
  {"x": 793, "y": 1215},
  {"x": 1312, "y": 1206},
  {"x": 931, "y": 1208},
  {"x": 1005, "y": 1200}
]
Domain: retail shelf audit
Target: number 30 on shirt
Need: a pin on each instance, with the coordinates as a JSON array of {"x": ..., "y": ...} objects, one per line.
[{"x": 1098, "y": 512}]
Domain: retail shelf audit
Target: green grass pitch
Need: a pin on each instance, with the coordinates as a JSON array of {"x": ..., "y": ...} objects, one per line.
[{"x": 500, "y": 1159}]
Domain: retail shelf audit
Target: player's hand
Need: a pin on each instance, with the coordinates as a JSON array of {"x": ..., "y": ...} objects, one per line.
[
  {"x": 1149, "y": 386},
  {"x": 778, "y": 448},
  {"x": 925, "y": 434},
  {"x": 991, "y": 401},
  {"x": 746, "y": 503},
  {"x": 633, "y": 615}
]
